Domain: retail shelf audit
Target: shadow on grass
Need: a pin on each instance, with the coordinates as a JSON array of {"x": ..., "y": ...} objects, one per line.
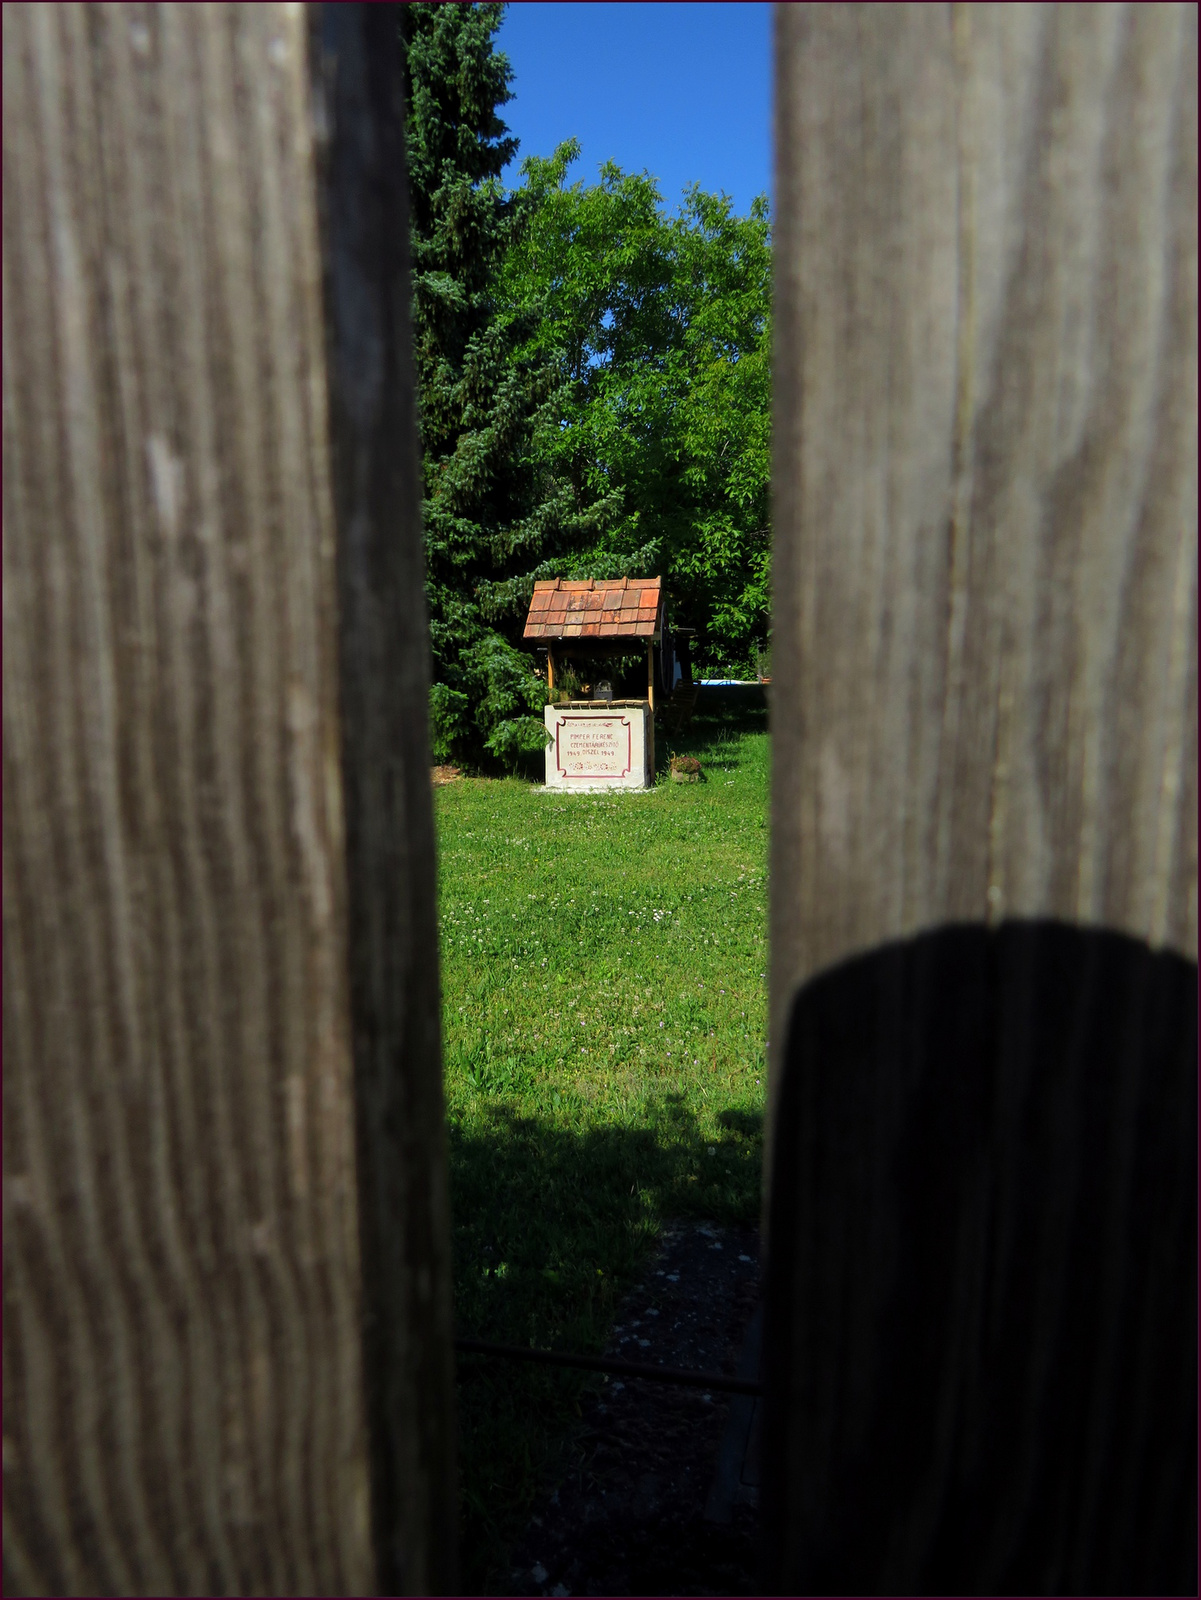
[
  {"x": 552, "y": 1227},
  {"x": 713, "y": 737}
]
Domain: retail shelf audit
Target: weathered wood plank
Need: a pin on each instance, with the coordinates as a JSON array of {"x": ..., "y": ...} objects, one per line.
[
  {"x": 393, "y": 947},
  {"x": 984, "y": 718},
  {"x": 981, "y": 1328},
  {"x": 188, "y": 1405},
  {"x": 985, "y": 568}
]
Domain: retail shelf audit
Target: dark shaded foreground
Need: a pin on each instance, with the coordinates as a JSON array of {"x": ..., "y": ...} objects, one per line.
[
  {"x": 628, "y": 1516},
  {"x": 981, "y": 1334}
]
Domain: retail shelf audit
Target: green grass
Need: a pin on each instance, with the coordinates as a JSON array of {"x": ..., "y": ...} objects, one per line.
[{"x": 603, "y": 962}]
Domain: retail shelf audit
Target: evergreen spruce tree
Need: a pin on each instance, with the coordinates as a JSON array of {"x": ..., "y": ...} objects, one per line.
[{"x": 493, "y": 515}]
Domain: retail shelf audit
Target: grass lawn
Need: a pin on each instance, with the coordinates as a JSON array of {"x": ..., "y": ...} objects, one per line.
[{"x": 603, "y": 961}]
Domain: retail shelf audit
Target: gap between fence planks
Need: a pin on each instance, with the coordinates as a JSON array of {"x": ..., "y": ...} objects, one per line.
[{"x": 227, "y": 1359}]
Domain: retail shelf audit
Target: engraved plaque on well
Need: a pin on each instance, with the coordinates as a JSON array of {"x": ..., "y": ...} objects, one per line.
[{"x": 601, "y": 748}]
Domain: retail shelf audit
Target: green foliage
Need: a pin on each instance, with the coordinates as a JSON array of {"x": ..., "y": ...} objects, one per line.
[
  {"x": 604, "y": 1012},
  {"x": 594, "y": 384},
  {"x": 489, "y": 507},
  {"x": 660, "y": 329}
]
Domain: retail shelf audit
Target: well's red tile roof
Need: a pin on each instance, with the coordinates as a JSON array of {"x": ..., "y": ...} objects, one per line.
[{"x": 600, "y": 608}]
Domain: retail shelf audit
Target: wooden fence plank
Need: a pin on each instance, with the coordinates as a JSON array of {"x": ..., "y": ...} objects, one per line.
[
  {"x": 984, "y": 721},
  {"x": 190, "y": 1402},
  {"x": 986, "y": 470},
  {"x": 393, "y": 949}
]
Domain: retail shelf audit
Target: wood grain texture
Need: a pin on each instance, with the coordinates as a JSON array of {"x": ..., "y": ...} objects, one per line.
[
  {"x": 393, "y": 946},
  {"x": 188, "y": 1408},
  {"x": 981, "y": 1331},
  {"x": 981, "y": 1199},
  {"x": 984, "y": 698}
]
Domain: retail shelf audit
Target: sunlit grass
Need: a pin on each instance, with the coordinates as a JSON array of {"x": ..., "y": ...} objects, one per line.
[{"x": 603, "y": 962}]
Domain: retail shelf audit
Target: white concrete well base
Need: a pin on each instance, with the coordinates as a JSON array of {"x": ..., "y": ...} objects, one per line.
[{"x": 598, "y": 745}]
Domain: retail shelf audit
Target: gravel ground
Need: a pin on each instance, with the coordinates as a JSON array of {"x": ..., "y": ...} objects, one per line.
[{"x": 629, "y": 1519}]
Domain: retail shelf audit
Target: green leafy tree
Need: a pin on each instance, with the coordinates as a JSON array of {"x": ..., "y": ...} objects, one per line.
[
  {"x": 594, "y": 386},
  {"x": 660, "y": 329}
]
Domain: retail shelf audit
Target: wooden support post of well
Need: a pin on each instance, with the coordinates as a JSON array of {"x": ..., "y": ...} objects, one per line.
[
  {"x": 981, "y": 1289},
  {"x": 550, "y": 668},
  {"x": 227, "y": 1351},
  {"x": 650, "y": 675}
]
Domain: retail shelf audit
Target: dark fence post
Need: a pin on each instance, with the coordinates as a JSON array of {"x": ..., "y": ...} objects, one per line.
[
  {"x": 227, "y": 1363},
  {"x": 981, "y": 1327}
]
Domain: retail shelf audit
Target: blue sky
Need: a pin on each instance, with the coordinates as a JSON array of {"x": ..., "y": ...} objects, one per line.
[{"x": 682, "y": 90}]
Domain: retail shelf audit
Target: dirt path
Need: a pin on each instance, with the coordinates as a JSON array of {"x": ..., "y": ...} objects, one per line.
[{"x": 630, "y": 1517}]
